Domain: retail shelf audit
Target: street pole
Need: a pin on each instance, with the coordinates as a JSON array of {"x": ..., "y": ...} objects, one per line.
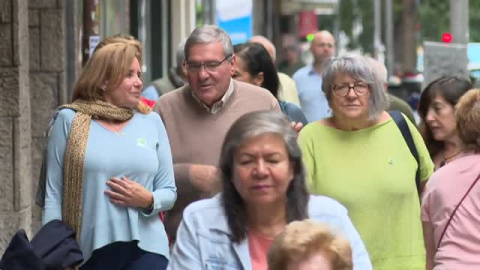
[
  {"x": 377, "y": 29},
  {"x": 459, "y": 21},
  {"x": 209, "y": 11},
  {"x": 389, "y": 36},
  {"x": 90, "y": 26}
]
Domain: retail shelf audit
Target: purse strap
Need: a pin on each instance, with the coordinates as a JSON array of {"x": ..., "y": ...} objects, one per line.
[{"x": 455, "y": 210}]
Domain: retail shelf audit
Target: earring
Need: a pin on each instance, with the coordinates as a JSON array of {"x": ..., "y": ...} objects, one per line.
[{"x": 104, "y": 88}]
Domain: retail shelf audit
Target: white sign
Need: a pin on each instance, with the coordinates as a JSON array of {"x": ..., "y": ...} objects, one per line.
[
  {"x": 93, "y": 42},
  {"x": 233, "y": 9}
]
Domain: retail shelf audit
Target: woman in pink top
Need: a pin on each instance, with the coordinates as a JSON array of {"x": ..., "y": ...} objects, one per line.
[{"x": 451, "y": 201}]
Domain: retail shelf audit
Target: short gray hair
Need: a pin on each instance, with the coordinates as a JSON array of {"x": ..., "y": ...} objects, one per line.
[
  {"x": 180, "y": 53},
  {"x": 246, "y": 127},
  {"x": 378, "y": 67},
  {"x": 209, "y": 34},
  {"x": 358, "y": 68}
]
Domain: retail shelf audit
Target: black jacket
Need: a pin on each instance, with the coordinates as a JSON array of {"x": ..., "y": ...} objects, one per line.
[{"x": 53, "y": 247}]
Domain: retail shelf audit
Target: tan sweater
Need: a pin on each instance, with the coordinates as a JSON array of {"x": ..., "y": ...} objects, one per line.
[{"x": 196, "y": 136}]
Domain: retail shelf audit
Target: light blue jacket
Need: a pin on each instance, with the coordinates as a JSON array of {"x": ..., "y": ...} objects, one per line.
[{"x": 203, "y": 236}]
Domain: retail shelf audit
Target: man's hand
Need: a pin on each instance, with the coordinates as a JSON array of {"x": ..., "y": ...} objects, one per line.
[
  {"x": 128, "y": 193},
  {"x": 205, "y": 177},
  {"x": 297, "y": 126}
]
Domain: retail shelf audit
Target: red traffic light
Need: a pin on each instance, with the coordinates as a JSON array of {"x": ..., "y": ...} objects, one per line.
[{"x": 447, "y": 37}]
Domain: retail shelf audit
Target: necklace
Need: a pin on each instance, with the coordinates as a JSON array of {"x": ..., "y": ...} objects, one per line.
[
  {"x": 117, "y": 131},
  {"x": 447, "y": 159}
]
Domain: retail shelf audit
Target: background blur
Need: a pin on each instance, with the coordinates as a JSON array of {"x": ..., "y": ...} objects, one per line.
[{"x": 44, "y": 43}]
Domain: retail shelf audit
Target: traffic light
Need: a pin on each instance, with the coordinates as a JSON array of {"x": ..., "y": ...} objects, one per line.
[{"x": 447, "y": 37}]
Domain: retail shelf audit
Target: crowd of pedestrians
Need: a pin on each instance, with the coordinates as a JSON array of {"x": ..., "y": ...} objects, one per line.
[{"x": 237, "y": 166}]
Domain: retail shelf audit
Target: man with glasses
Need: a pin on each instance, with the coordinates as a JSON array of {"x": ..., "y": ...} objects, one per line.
[
  {"x": 198, "y": 115},
  {"x": 309, "y": 78}
]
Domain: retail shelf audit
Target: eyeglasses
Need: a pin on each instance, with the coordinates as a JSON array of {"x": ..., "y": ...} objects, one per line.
[
  {"x": 210, "y": 66},
  {"x": 342, "y": 90}
]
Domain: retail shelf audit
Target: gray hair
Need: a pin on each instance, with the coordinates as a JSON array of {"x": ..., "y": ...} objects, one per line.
[
  {"x": 380, "y": 68},
  {"x": 180, "y": 53},
  {"x": 246, "y": 127},
  {"x": 358, "y": 68},
  {"x": 209, "y": 34}
]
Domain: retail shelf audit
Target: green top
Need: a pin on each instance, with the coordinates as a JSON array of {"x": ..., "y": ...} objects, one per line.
[{"x": 372, "y": 173}]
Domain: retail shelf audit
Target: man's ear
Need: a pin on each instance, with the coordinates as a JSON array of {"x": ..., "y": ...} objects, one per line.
[
  {"x": 232, "y": 65},
  {"x": 258, "y": 80}
]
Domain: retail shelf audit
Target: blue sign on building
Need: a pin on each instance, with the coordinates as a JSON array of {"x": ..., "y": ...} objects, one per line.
[{"x": 235, "y": 17}]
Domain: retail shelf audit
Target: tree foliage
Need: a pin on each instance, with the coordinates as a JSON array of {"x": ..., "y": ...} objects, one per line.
[{"x": 433, "y": 17}]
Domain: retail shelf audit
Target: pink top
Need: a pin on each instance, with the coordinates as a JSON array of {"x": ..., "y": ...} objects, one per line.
[
  {"x": 258, "y": 246},
  {"x": 460, "y": 246}
]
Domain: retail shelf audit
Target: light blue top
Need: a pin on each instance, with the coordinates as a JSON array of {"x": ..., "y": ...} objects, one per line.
[
  {"x": 312, "y": 99},
  {"x": 203, "y": 238},
  {"x": 142, "y": 154},
  {"x": 150, "y": 93}
]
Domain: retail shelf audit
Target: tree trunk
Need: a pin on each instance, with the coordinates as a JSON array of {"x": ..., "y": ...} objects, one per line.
[{"x": 409, "y": 22}]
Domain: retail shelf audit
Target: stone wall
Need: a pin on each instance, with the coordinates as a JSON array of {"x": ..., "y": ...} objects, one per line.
[
  {"x": 32, "y": 85},
  {"x": 47, "y": 77},
  {"x": 15, "y": 132}
]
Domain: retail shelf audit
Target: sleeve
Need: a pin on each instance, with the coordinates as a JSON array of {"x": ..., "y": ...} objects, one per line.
[
  {"x": 295, "y": 114},
  {"x": 361, "y": 260},
  {"x": 289, "y": 89},
  {"x": 186, "y": 250},
  {"x": 426, "y": 201},
  {"x": 426, "y": 163},
  {"x": 340, "y": 223},
  {"x": 150, "y": 93},
  {"x": 54, "y": 165},
  {"x": 425, "y": 214},
  {"x": 308, "y": 157},
  {"x": 275, "y": 105},
  {"x": 164, "y": 189}
]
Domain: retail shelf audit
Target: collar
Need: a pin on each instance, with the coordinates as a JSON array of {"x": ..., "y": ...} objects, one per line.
[
  {"x": 221, "y": 225},
  {"x": 311, "y": 70},
  {"x": 217, "y": 106}
]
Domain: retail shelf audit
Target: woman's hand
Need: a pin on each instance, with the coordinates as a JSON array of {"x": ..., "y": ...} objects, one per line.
[
  {"x": 297, "y": 126},
  {"x": 128, "y": 193}
]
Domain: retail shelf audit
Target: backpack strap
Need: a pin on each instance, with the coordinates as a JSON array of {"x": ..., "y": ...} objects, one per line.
[{"x": 407, "y": 135}]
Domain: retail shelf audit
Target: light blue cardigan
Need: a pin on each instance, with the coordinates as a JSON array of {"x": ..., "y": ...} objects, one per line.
[{"x": 203, "y": 236}]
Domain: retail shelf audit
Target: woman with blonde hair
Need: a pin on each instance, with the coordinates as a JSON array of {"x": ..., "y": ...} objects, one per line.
[
  {"x": 307, "y": 245},
  {"x": 109, "y": 168},
  {"x": 451, "y": 200}
]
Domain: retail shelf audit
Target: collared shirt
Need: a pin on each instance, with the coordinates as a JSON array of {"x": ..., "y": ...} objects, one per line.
[
  {"x": 217, "y": 106},
  {"x": 312, "y": 99}
]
